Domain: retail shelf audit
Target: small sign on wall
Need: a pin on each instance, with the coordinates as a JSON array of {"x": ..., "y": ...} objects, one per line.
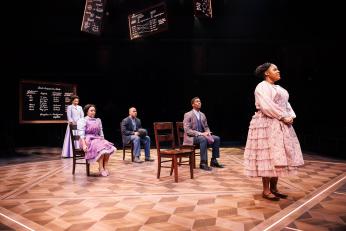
[
  {"x": 203, "y": 8},
  {"x": 93, "y": 16}
]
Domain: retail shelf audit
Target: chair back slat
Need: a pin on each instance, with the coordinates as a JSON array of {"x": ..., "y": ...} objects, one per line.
[
  {"x": 74, "y": 136},
  {"x": 164, "y": 133},
  {"x": 73, "y": 126},
  {"x": 165, "y": 138},
  {"x": 180, "y": 132},
  {"x": 163, "y": 125}
]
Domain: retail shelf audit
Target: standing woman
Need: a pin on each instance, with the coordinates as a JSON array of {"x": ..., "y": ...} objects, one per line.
[
  {"x": 272, "y": 148},
  {"x": 92, "y": 140},
  {"x": 74, "y": 113}
]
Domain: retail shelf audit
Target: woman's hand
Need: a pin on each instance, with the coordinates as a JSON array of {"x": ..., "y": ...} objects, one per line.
[
  {"x": 85, "y": 148},
  {"x": 288, "y": 120}
]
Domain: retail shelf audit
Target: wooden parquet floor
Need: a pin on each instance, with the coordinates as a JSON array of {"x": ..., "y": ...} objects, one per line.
[{"x": 44, "y": 195}]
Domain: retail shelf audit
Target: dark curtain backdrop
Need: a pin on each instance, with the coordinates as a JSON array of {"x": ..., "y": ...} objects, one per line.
[{"x": 210, "y": 58}]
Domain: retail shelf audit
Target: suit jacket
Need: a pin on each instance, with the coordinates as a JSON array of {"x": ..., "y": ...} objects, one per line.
[
  {"x": 190, "y": 126},
  {"x": 127, "y": 129}
]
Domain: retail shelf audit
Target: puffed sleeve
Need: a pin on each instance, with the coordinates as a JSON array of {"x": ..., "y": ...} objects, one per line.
[
  {"x": 69, "y": 114},
  {"x": 81, "y": 123},
  {"x": 290, "y": 110},
  {"x": 266, "y": 104},
  {"x": 101, "y": 128}
]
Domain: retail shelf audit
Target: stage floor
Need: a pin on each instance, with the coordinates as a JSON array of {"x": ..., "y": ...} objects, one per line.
[{"x": 42, "y": 194}]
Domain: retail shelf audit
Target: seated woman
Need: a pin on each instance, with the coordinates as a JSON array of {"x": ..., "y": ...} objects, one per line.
[{"x": 92, "y": 140}]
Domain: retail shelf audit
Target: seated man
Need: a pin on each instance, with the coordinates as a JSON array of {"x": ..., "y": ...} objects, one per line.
[
  {"x": 196, "y": 131},
  {"x": 131, "y": 130}
]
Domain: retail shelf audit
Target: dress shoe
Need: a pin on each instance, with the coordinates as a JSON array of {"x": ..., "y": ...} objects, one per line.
[
  {"x": 137, "y": 160},
  {"x": 149, "y": 159},
  {"x": 214, "y": 163},
  {"x": 270, "y": 197},
  {"x": 277, "y": 194},
  {"x": 104, "y": 173},
  {"x": 205, "y": 166}
]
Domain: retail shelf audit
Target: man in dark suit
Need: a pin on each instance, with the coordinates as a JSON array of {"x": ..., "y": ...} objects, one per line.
[
  {"x": 196, "y": 131},
  {"x": 131, "y": 130}
]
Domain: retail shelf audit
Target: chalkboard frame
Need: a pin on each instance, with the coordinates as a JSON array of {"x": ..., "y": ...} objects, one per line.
[
  {"x": 144, "y": 10},
  {"x": 21, "y": 103}
]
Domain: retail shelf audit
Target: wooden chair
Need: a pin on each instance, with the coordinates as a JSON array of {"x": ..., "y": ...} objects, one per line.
[
  {"x": 180, "y": 134},
  {"x": 127, "y": 147},
  {"x": 78, "y": 153},
  {"x": 164, "y": 133}
]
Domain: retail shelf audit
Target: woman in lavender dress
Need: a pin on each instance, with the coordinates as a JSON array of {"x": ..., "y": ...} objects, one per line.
[
  {"x": 92, "y": 140},
  {"x": 272, "y": 148},
  {"x": 74, "y": 113}
]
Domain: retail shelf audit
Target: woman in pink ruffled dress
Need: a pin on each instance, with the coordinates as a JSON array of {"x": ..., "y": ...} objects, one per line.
[
  {"x": 272, "y": 148},
  {"x": 95, "y": 146}
]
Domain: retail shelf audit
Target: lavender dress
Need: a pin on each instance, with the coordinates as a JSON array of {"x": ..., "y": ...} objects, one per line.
[
  {"x": 74, "y": 113},
  {"x": 91, "y": 130}
]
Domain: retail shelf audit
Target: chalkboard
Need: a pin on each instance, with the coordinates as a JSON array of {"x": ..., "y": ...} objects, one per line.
[
  {"x": 41, "y": 102},
  {"x": 148, "y": 21},
  {"x": 202, "y": 8},
  {"x": 93, "y": 16}
]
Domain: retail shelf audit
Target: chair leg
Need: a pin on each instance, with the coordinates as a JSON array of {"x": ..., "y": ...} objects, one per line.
[
  {"x": 172, "y": 168},
  {"x": 158, "y": 166},
  {"x": 87, "y": 168},
  {"x": 194, "y": 159},
  {"x": 175, "y": 164},
  {"x": 132, "y": 157},
  {"x": 123, "y": 152},
  {"x": 191, "y": 163},
  {"x": 74, "y": 165}
]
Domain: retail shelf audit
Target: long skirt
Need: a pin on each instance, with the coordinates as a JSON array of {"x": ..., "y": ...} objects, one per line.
[
  {"x": 98, "y": 146},
  {"x": 67, "y": 150},
  {"x": 272, "y": 148}
]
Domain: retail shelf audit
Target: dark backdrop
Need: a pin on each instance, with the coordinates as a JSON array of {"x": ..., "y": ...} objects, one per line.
[{"x": 210, "y": 58}]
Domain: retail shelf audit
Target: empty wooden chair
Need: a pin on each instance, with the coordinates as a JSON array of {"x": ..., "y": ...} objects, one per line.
[{"x": 164, "y": 133}]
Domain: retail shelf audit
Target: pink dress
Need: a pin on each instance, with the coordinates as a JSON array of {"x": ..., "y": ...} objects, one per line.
[{"x": 272, "y": 147}]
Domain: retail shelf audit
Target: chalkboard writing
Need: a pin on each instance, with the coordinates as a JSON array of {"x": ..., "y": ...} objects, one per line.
[
  {"x": 93, "y": 16},
  {"x": 203, "y": 8},
  {"x": 41, "y": 102},
  {"x": 148, "y": 21}
]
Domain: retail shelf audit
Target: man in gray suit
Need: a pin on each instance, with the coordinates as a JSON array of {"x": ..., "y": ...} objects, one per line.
[
  {"x": 131, "y": 130},
  {"x": 196, "y": 131}
]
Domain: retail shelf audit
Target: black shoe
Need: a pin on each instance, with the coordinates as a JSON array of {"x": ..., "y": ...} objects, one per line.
[
  {"x": 205, "y": 167},
  {"x": 214, "y": 163},
  {"x": 270, "y": 197},
  {"x": 277, "y": 194},
  {"x": 149, "y": 159}
]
